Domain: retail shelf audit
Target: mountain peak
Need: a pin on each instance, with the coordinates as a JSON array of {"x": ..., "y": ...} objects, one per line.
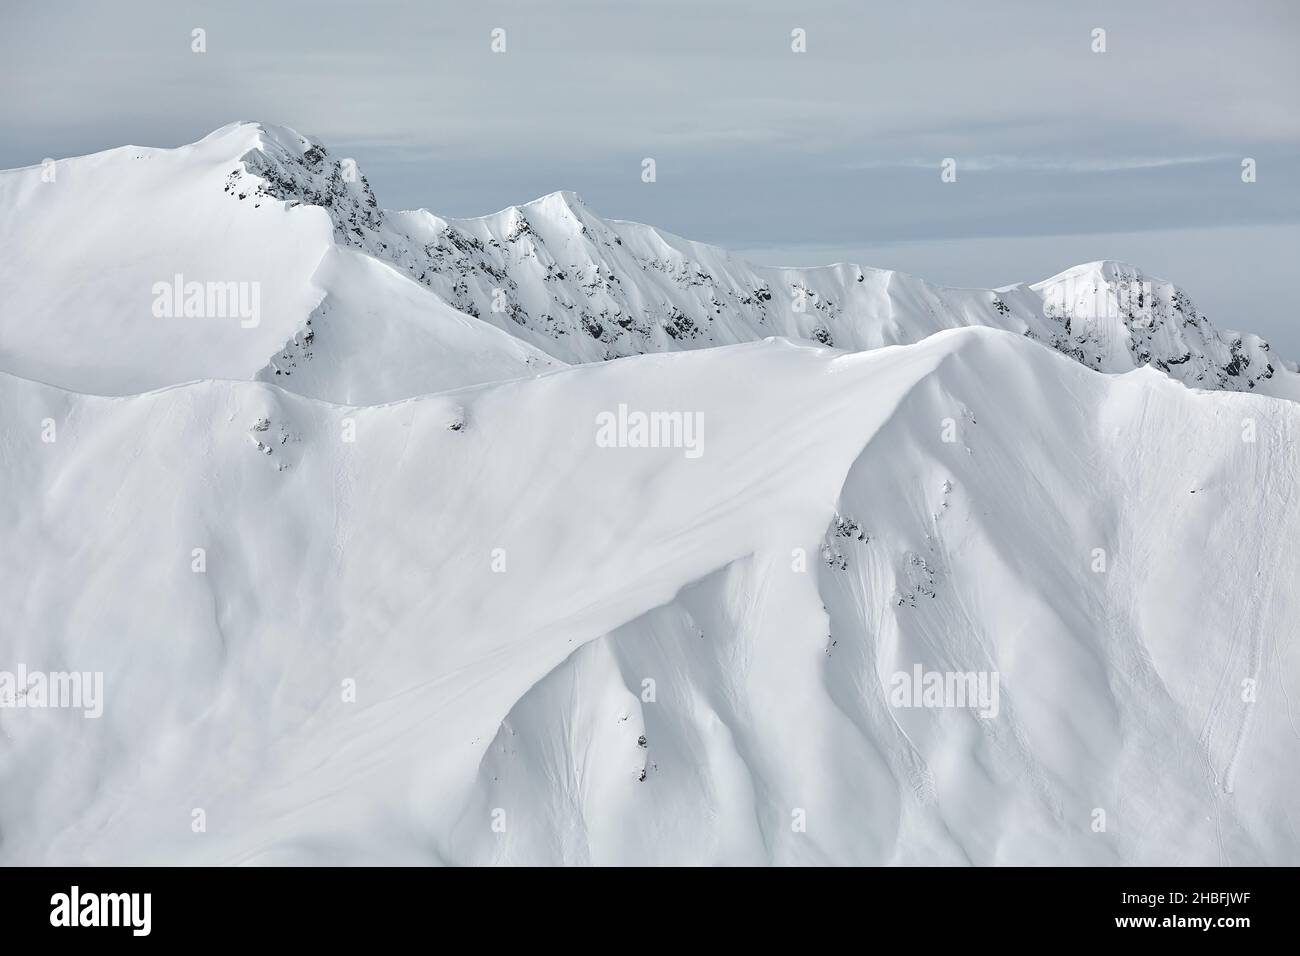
[
  {"x": 563, "y": 198},
  {"x": 242, "y": 136},
  {"x": 297, "y": 169},
  {"x": 1105, "y": 270}
]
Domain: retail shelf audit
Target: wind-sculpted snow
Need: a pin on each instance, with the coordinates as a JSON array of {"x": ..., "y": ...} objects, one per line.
[
  {"x": 495, "y": 588},
  {"x": 1129, "y": 695}
]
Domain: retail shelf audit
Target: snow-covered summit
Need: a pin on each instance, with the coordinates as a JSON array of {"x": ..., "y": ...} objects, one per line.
[
  {"x": 1113, "y": 317},
  {"x": 135, "y": 269}
]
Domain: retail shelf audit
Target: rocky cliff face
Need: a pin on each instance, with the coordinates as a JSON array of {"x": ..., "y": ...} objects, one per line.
[{"x": 1112, "y": 317}]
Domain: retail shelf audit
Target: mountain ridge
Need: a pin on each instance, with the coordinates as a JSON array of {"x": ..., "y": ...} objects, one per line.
[
  {"x": 554, "y": 272},
  {"x": 549, "y": 281}
]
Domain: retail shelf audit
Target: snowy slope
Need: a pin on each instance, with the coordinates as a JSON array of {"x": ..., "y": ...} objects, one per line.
[
  {"x": 513, "y": 693},
  {"x": 84, "y": 245}
]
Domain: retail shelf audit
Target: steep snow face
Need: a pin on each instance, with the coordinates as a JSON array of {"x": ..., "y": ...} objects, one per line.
[
  {"x": 139, "y": 268},
  {"x": 560, "y": 651},
  {"x": 1128, "y": 692}
]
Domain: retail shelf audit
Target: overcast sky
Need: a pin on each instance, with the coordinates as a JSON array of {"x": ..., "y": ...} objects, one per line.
[{"x": 1063, "y": 154}]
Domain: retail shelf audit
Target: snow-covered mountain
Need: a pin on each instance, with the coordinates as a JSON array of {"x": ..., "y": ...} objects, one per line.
[
  {"x": 268, "y": 206},
  {"x": 428, "y": 595},
  {"x": 87, "y": 241}
]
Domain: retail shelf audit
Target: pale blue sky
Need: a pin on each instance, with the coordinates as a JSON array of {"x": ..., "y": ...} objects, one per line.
[{"x": 1063, "y": 154}]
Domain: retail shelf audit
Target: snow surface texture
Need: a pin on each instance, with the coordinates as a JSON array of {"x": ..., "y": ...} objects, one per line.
[{"x": 417, "y": 504}]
